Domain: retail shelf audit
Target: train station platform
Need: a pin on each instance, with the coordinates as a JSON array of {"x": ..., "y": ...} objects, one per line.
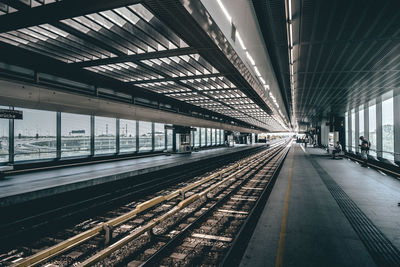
[
  {"x": 19, "y": 188},
  {"x": 325, "y": 212}
]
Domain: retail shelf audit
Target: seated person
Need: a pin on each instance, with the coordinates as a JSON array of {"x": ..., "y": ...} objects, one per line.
[{"x": 337, "y": 149}]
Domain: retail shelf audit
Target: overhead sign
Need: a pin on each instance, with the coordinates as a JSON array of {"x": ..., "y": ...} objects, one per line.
[{"x": 10, "y": 114}]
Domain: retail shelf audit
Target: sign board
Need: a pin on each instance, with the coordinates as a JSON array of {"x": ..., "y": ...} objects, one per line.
[{"x": 10, "y": 114}]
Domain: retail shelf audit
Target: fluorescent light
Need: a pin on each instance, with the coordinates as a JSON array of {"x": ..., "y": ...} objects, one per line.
[
  {"x": 225, "y": 11},
  {"x": 290, "y": 34},
  {"x": 291, "y": 54},
  {"x": 291, "y": 67},
  {"x": 250, "y": 58},
  {"x": 262, "y": 80},
  {"x": 256, "y": 70},
  {"x": 290, "y": 9},
  {"x": 240, "y": 40}
]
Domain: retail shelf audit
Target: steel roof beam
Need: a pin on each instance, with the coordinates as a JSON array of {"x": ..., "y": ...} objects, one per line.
[
  {"x": 180, "y": 78},
  {"x": 138, "y": 57},
  {"x": 57, "y": 11}
]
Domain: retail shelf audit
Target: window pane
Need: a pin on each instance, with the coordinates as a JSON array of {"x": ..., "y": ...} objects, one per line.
[
  {"x": 353, "y": 130},
  {"x": 209, "y": 137},
  {"x": 75, "y": 135},
  {"x": 159, "y": 136},
  {"x": 372, "y": 129},
  {"x": 214, "y": 139},
  {"x": 196, "y": 137},
  {"x": 387, "y": 129},
  {"x": 127, "y": 135},
  {"x": 145, "y": 136},
  {"x": 4, "y": 127},
  {"x": 361, "y": 120},
  {"x": 203, "y": 137},
  {"x": 346, "y": 126},
  {"x": 170, "y": 141},
  {"x": 35, "y": 135},
  {"x": 104, "y": 135}
]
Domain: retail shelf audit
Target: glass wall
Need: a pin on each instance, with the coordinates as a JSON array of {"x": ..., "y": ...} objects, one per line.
[
  {"x": 35, "y": 135},
  {"x": 127, "y": 136},
  {"x": 196, "y": 141},
  {"x": 104, "y": 135},
  {"x": 361, "y": 120},
  {"x": 170, "y": 144},
  {"x": 372, "y": 129},
  {"x": 387, "y": 129},
  {"x": 75, "y": 135},
  {"x": 214, "y": 139},
  {"x": 203, "y": 137},
  {"x": 353, "y": 130},
  {"x": 4, "y": 128},
  {"x": 159, "y": 136},
  {"x": 145, "y": 136},
  {"x": 209, "y": 137},
  {"x": 346, "y": 126}
]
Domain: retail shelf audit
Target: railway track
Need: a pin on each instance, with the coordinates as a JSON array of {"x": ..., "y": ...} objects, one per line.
[
  {"x": 36, "y": 219},
  {"x": 177, "y": 227}
]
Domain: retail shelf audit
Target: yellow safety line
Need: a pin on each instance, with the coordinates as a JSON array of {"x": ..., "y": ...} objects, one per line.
[{"x": 282, "y": 235}]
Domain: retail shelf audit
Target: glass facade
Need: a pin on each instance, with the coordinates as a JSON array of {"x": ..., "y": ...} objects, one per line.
[
  {"x": 75, "y": 135},
  {"x": 4, "y": 130},
  {"x": 353, "y": 130},
  {"x": 145, "y": 136},
  {"x": 127, "y": 136},
  {"x": 159, "y": 136},
  {"x": 196, "y": 141},
  {"x": 387, "y": 129},
  {"x": 47, "y": 135},
  {"x": 372, "y": 129},
  {"x": 35, "y": 135},
  {"x": 170, "y": 144},
  {"x": 361, "y": 120},
  {"x": 346, "y": 126},
  {"x": 105, "y": 140},
  {"x": 209, "y": 137},
  {"x": 214, "y": 139},
  {"x": 203, "y": 136}
]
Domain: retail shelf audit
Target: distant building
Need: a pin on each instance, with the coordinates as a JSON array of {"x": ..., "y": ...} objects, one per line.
[{"x": 77, "y": 133}]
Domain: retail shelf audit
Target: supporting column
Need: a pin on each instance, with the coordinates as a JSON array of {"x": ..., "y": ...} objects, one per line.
[
  {"x": 396, "y": 122},
  {"x": 366, "y": 121},
  {"x": 165, "y": 139},
  {"x": 357, "y": 129},
  {"x": 117, "y": 139},
  {"x": 205, "y": 136},
  {"x": 379, "y": 127},
  {"x": 349, "y": 135},
  {"x": 199, "y": 137},
  {"x": 11, "y": 140},
  {"x": 58, "y": 136},
  {"x": 92, "y": 135},
  {"x": 137, "y": 136},
  {"x": 153, "y": 136}
]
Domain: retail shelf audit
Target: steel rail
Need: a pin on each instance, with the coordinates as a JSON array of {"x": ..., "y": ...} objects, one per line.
[
  {"x": 168, "y": 246},
  {"x": 150, "y": 225},
  {"x": 45, "y": 255},
  {"x": 239, "y": 243}
]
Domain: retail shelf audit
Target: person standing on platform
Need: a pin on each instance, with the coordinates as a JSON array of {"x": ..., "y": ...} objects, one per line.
[{"x": 364, "y": 146}]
